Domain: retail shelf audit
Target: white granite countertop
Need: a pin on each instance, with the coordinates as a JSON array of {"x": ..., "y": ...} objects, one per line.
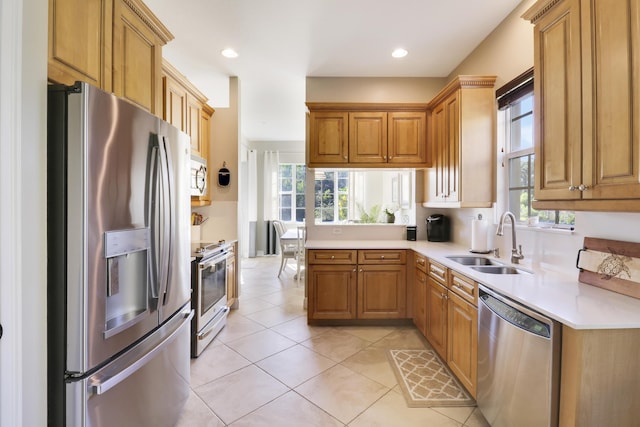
[{"x": 559, "y": 296}]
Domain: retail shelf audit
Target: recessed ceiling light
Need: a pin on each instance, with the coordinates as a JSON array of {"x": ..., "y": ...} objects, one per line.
[
  {"x": 399, "y": 53},
  {"x": 229, "y": 53}
]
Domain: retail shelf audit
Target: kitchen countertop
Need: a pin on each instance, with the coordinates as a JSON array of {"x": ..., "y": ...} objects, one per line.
[{"x": 559, "y": 296}]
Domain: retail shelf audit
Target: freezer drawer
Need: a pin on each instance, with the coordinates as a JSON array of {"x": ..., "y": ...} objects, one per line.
[{"x": 146, "y": 386}]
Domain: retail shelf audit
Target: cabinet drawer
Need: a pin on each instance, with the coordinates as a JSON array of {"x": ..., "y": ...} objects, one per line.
[
  {"x": 464, "y": 287},
  {"x": 437, "y": 272},
  {"x": 332, "y": 256},
  {"x": 421, "y": 262},
  {"x": 382, "y": 256}
]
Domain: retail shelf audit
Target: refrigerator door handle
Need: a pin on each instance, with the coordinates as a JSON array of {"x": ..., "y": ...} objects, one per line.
[
  {"x": 152, "y": 204},
  {"x": 128, "y": 364},
  {"x": 166, "y": 210},
  {"x": 169, "y": 210}
]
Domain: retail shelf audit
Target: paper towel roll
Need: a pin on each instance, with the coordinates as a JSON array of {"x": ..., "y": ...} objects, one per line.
[{"x": 479, "y": 235}]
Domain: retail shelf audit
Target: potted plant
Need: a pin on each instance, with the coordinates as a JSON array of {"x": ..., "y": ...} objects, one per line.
[{"x": 390, "y": 211}]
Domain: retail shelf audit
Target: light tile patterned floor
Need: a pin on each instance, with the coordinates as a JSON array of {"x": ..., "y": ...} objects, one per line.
[{"x": 267, "y": 367}]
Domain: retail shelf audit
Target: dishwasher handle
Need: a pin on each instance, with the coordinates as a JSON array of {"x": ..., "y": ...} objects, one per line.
[{"x": 515, "y": 314}]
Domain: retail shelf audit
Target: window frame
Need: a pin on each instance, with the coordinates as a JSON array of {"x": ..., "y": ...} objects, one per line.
[
  {"x": 508, "y": 95},
  {"x": 293, "y": 193}
]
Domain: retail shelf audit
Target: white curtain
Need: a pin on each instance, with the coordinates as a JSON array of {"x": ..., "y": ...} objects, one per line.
[
  {"x": 270, "y": 192},
  {"x": 270, "y": 203},
  {"x": 252, "y": 199}
]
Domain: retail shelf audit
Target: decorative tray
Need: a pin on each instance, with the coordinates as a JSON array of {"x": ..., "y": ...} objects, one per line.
[{"x": 610, "y": 264}]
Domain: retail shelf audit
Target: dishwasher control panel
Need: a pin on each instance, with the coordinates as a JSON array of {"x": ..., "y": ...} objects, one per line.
[{"x": 516, "y": 317}]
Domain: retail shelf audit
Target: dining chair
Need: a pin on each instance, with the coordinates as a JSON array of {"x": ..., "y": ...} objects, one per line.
[
  {"x": 287, "y": 250},
  {"x": 300, "y": 257}
]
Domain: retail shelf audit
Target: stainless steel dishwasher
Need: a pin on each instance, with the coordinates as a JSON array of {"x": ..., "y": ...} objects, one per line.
[{"x": 518, "y": 363}]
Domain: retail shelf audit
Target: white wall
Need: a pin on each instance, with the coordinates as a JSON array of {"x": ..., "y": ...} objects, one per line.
[
  {"x": 225, "y": 140},
  {"x": 23, "y": 78}
]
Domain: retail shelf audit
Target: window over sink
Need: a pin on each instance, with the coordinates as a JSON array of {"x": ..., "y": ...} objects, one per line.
[
  {"x": 364, "y": 196},
  {"x": 516, "y": 163}
]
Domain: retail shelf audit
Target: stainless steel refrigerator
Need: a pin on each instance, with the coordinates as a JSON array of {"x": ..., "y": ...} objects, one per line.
[{"x": 118, "y": 262}]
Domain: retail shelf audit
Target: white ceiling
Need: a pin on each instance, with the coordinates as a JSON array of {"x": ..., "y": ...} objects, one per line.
[{"x": 280, "y": 42}]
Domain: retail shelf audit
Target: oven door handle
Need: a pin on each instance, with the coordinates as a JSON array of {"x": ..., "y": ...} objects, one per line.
[
  {"x": 212, "y": 325},
  {"x": 206, "y": 263}
]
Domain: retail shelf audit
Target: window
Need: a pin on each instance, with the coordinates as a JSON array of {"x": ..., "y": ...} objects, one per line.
[
  {"x": 291, "y": 188},
  {"x": 515, "y": 101},
  {"x": 344, "y": 196},
  {"x": 331, "y": 196}
]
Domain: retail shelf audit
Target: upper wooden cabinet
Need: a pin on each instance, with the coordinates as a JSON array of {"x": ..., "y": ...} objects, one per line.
[
  {"x": 138, "y": 37},
  {"x": 587, "y": 91},
  {"x": 113, "y": 44},
  {"x": 80, "y": 34},
  {"x": 462, "y": 138},
  {"x": 185, "y": 107},
  {"x": 367, "y": 135}
]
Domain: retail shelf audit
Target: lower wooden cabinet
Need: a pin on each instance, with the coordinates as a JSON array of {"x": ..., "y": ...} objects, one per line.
[
  {"x": 420, "y": 301},
  {"x": 232, "y": 278},
  {"x": 462, "y": 341},
  {"x": 419, "y": 294},
  {"x": 382, "y": 291},
  {"x": 436, "y": 321},
  {"x": 339, "y": 288},
  {"x": 332, "y": 291},
  {"x": 451, "y": 324}
]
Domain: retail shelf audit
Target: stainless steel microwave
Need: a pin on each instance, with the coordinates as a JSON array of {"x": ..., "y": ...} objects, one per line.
[{"x": 198, "y": 176}]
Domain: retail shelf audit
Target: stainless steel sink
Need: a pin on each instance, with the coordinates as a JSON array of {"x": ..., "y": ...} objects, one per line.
[
  {"x": 474, "y": 260},
  {"x": 499, "y": 269}
]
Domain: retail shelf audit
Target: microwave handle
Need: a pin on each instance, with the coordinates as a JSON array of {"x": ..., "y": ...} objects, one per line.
[{"x": 201, "y": 179}]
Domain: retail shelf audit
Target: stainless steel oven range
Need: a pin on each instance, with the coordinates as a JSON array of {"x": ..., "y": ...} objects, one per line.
[{"x": 209, "y": 292}]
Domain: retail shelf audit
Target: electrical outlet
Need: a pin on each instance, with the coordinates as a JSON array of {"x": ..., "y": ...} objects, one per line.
[{"x": 337, "y": 231}]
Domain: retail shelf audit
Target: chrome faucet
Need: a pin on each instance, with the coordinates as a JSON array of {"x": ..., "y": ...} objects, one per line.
[{"x": 516, "y": 251}]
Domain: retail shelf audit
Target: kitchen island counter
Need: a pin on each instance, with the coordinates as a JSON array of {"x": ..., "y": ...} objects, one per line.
[{"x": 558, "y": 295}]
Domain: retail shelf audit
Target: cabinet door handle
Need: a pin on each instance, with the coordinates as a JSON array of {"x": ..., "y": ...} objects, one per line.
[
  {"x": 381, "y": 256},
  {"x": 583, "y": 187},
  {"x": 344, "y": 157},
  {"x": 333, "y": 257},
  {"x": 572, "y": 188},
  {"x": 390, "y": 157},
  {"x": 360, "y": 270}
]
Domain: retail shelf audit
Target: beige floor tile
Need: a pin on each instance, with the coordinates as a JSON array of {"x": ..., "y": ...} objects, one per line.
[
  {"x": 289, "y": 410},
  {"x": 216, "y": 361},
  {"x": 403, "y": 338},
  {"x": 476, "y": 419},
  {"x": 298, "y": 329},
  {"x": 237, "y": 327},
  {"x": 235, "y": 395},
  {"x": 369, "y": 333},
  {"x": 197, "y": 413},
  {"x": 341, "y": 392},
  {"x": 458, "y": 413},
  {"x": 276, "y": 315},
  {"x": 295, "y": 365},
  {"x": 259, "y": 290},
  {"x": 391, "y": 410},
  {"x": 373, "y": 363},
  {"x": 261, "y": 344},
  {"x": 336, "y": 345},
  {"x": 251, "y": 305},
  {"x": 289, "y": 296}
]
